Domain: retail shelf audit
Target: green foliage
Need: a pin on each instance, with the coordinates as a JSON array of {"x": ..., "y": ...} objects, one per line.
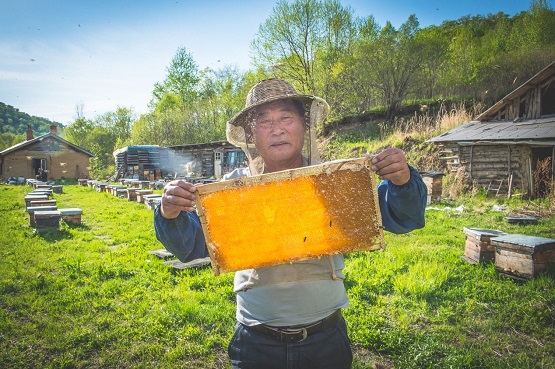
[
  {"x": 8, "y": 139},
  {"x": 180, "y": 84},
  {"x": 101, "y": 136},
  {"x": 219, "y": 95},
  {"x": 478, "y": 57}
]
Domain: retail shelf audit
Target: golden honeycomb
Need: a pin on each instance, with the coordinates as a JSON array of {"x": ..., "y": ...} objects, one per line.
[{"x": 326, "y": 209}]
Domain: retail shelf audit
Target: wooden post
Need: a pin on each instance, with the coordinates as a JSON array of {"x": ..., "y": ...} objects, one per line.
[
  {"x": 470, "y": 163},
  {"x": 510, "y": 190}
]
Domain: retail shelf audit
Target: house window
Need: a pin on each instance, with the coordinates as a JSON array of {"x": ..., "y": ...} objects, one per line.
[
  {"x": 235, "y": 159},
  {"x": 548, "y": 100}
]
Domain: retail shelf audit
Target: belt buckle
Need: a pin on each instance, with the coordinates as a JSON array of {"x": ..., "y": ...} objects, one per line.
[{"x": 294, "y": 332}]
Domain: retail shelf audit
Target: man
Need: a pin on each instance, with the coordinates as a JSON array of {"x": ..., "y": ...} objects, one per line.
[{"x": 288, "y": 316}]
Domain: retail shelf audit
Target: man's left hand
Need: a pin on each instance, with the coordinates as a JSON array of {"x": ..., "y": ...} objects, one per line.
[{"x": 391, "y": 164}]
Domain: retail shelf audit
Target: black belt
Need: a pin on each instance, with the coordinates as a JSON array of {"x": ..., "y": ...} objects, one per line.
[{"x": 298, "y": 334}]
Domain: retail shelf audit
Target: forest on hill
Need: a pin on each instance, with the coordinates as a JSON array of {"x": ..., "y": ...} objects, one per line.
[
  {"x": 14, "y": 124},
  {"x": 361, "y": 68}
]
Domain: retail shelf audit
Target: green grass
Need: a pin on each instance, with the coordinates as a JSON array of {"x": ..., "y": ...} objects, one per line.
[{"x": 91, "y": 296}]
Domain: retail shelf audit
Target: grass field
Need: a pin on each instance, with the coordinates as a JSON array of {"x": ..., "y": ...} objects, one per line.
[{"x": 91, "y": 296}]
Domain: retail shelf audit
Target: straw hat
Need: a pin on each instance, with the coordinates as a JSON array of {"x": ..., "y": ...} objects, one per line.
[
  {"x": 270, "y": 90},
  {"x": 238, "y": 131}
]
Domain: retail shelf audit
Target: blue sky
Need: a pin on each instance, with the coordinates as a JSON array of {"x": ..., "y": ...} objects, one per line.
[{"x": 58, "y": 54}]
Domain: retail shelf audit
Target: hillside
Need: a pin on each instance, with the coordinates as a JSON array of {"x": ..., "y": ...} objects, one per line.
[
  {"x": 408, "y": 130},
  {"x": 14, "y": 123}
]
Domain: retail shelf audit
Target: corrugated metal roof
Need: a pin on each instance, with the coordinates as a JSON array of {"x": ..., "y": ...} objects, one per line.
[{"x": 542, "y": 129}]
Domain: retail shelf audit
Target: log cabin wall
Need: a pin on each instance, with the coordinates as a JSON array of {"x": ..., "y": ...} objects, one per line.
[
  {"x": 488, "y": 164},
  {"x": 143, "y": 162}
]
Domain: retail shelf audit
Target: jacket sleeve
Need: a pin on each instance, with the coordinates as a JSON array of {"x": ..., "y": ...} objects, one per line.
[
  {"x": 402, "y": 207},
  {"x": 181, "y": 236}
]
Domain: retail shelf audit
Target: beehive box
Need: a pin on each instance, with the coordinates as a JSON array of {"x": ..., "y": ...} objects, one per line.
[
  {"x": 71, "y": 215},
  {"x": 280, "y": 217},
  {"x": 31, "y": 211},
  {"x": 151, "y": 201},
  {"x": 434, "y": 184},
  {"x": 41, "y": 191},
  {"x": 478, "y": 247},
  {"x": 45, "y": 220},
  {"x": 58, "y": 189},
  {"x": 30, "y": 198},
  {"x": 141, "y": 195},
  {"x": 114, "y": 189},
  {"x": 523, "y": 256},
  {"x": 42, "y": 203},
  {"x": 131, "y": 193}
]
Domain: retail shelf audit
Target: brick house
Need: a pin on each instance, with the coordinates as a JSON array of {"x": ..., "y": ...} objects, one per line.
[{"x": 48, "y": 153}]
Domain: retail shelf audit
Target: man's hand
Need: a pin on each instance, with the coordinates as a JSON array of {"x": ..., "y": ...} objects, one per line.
[
  {"x": 391, "y": 164},
  {"x": 178, "y": 196}
]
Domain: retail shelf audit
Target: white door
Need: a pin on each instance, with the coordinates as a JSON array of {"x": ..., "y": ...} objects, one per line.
[{"x": 218, "y": 164}]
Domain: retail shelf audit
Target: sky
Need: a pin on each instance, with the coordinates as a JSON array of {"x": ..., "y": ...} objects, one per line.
[{"x": 57, "y": 55}]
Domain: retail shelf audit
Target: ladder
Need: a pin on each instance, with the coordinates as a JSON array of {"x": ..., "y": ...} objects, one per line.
[{"x": 494, "y": 186}]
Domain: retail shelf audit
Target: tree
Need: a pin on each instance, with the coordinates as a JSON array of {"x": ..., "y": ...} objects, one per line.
[
  {"x": 8, "y": 139},
  {"x": 118, "y": 123},
  {"x": 385, "y": 65},
  {"x": 180, "y": 82},
  {"x": 78, "y": 131},
  {"x": 303, "y": 40},
  {"x": 101, "y": 144},
  {"x": 434, "y": 43}
]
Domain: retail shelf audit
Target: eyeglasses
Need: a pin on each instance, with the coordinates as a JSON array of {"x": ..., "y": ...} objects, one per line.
[{"x": 267, "y": 124}]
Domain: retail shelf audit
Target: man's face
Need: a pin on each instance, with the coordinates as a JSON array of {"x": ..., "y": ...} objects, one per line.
[{"x": 278, "y": 130}]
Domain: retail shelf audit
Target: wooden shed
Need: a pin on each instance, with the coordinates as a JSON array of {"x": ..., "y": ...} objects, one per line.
[
  {"x": 142, "y": 162},
  {"x": 193, "y": 161},
  {"x": 207, "y": 160},
  {"x": 510, "y": 146},
  {"x": 48, "y": 156}
]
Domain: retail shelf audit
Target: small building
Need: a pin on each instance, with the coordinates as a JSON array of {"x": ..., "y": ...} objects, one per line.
[
  {"x": 207, "y": 160},
  {"x": 193, "y": 161},
  {"x": 48, "y": 156},
  {"x": 142, "y": 162},
  {"x": 510, "y": 146}
]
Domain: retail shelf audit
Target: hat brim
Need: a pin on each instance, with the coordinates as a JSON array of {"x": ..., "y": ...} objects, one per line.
[{"x": 239, "y": 119}]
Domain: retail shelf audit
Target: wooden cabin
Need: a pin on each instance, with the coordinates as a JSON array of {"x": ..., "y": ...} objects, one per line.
[
  {"x": 141, "y": 162},
  {"x": 47, "y": 156},
  {"x": 192, "y": 161},
  {"x": 207, "y": 160},
  {"x": 511, "y": 146}
]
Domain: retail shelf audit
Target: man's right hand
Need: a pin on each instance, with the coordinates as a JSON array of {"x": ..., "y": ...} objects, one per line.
[{"x": 178, "y": 196}]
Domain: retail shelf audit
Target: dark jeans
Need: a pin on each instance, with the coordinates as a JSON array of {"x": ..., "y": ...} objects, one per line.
[{"x": 329, "y": 349}]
